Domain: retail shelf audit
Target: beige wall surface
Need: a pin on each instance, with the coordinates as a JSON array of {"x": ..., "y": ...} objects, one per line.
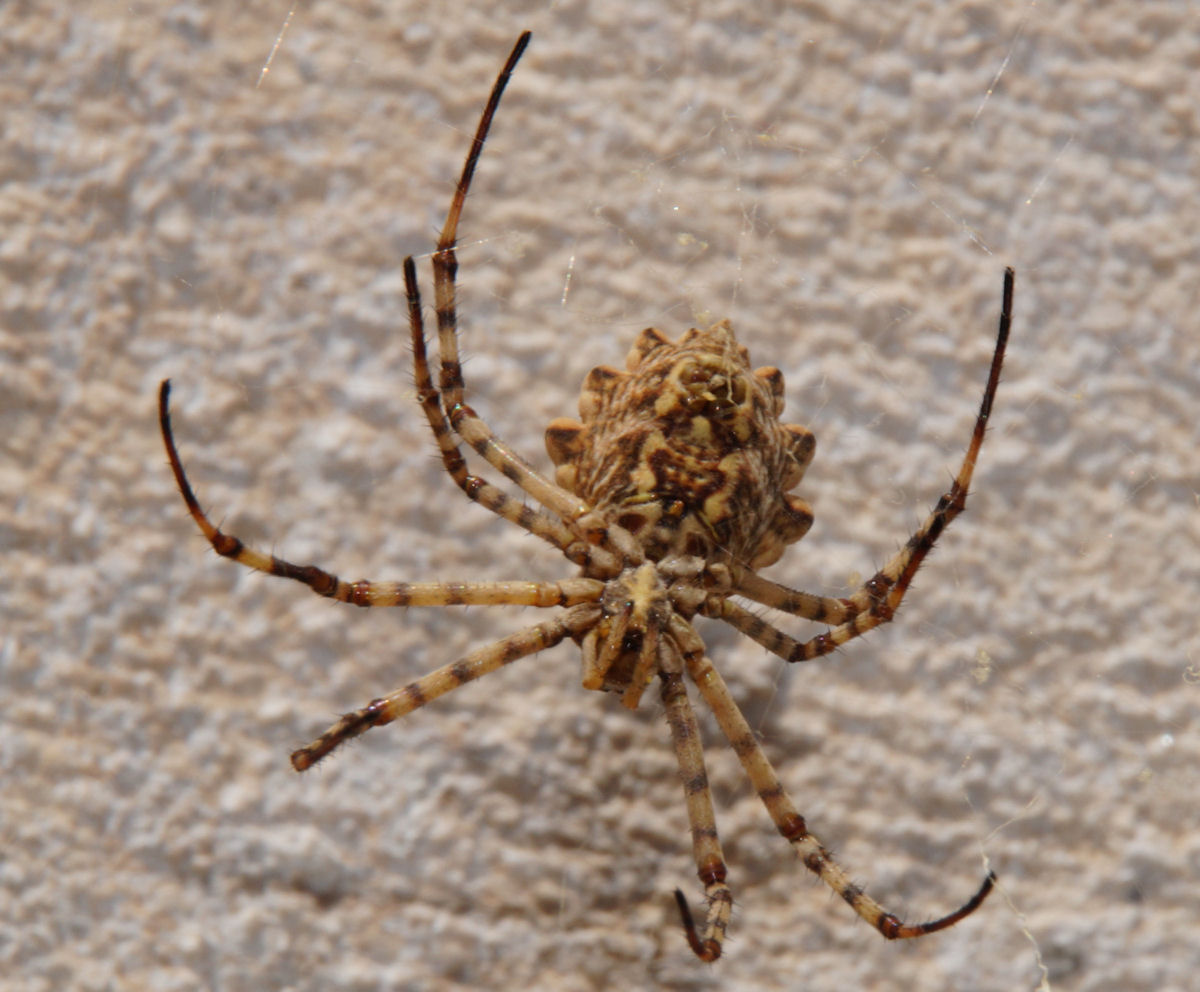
[{"x": 845, "y": 182}]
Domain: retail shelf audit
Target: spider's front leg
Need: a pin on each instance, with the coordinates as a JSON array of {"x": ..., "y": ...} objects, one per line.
[
  {"x": 465, "y": 422},
  {"x": 584, "y": 538},
  {"x": 367, "y": 592},
  {"x": 880, "y": 596},
  {"x": 541, "y": 524}
]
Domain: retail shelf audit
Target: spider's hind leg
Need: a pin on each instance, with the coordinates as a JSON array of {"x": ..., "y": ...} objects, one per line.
[
  {"x": 447, "y": 678},
  {"x": 790, "y": 823},
  {"x": 706, "y": 845}
]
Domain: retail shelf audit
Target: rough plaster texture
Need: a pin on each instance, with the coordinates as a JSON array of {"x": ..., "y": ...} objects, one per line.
[{"x": 845, "y": 182}]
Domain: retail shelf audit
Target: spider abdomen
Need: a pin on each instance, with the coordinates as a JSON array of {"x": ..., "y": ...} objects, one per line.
[{"x": 684, "y": 448}]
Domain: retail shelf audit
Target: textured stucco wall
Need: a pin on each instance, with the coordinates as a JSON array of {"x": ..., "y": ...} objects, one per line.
[{"x": 846, "y": 183}]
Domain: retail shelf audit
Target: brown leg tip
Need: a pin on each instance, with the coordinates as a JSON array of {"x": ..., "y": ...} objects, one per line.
[{"x": 706, "y": 950}]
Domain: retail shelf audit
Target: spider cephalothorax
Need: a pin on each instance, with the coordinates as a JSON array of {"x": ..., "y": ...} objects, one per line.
[
  {"x": 684, "y": 449},
  {"x": 672, "y": 489}
]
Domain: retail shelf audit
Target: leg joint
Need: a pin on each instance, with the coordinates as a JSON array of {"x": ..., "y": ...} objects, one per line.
[
  {"x": 713, "y": 872},
  {"x": 793, "y": 828}
]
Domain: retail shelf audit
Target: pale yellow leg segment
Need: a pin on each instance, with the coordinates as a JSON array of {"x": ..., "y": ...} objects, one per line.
[
  {"x": 569, "y": 592},
  {"x": 450, "y": 380},
  {"x": 549, "y": 528},
  {"x": 779, "y": 643},
  {"x": 366, "y": 592},
  {"x": 462, "y": 419},
  {"x": 429, "y": 687},
  {"x": 472, "y": 429},
  {"x": 790, "y": 823},
  {"x": 706, "y": 845},
  {"x": 820, "y": 609},
  {"x": 444, "y": 261}
]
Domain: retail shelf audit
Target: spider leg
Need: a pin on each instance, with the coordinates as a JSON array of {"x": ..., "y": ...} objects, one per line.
[
  {"x": 821, "y": 609},
  {"x": 568, "y": 592},
  {"x": 366, "y": 592},
  {"x": 788, "y": 821},
  {"x": 879, "y": 597},
  {"x": 788, "y": 648},
  {"x": 706, "y": 845},
  {"x": 595, "y": 541},
  {"x": 465, "y": 422},
  {"x": 437, "y": 683},
  {"x": 445, "y": 262},
  {"x": 462, "y": 418},
  {"x": 543, "y": 525}
]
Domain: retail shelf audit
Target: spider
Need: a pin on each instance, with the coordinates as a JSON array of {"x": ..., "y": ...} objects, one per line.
[{"x": 670, "y": 493}]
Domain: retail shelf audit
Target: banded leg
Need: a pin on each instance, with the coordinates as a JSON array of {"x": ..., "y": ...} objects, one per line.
[
  {"x": 424, "y": 690},
  {"x": 879, "y": 597},
  {"x": 450, "y": 380},
  {"x": 366, "y": 592},
  {"x": 445, "y": 262},
  {"x": 568, "y": 592},
  {"x": 790, "y": 823},
  {"x": 706, "y": 845},
  {"x": 775, "y": 640},
  {"x": 476, "y": 488},
  {"x": 820, "y": 609},
  {"x": 465, "y": 421}
]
